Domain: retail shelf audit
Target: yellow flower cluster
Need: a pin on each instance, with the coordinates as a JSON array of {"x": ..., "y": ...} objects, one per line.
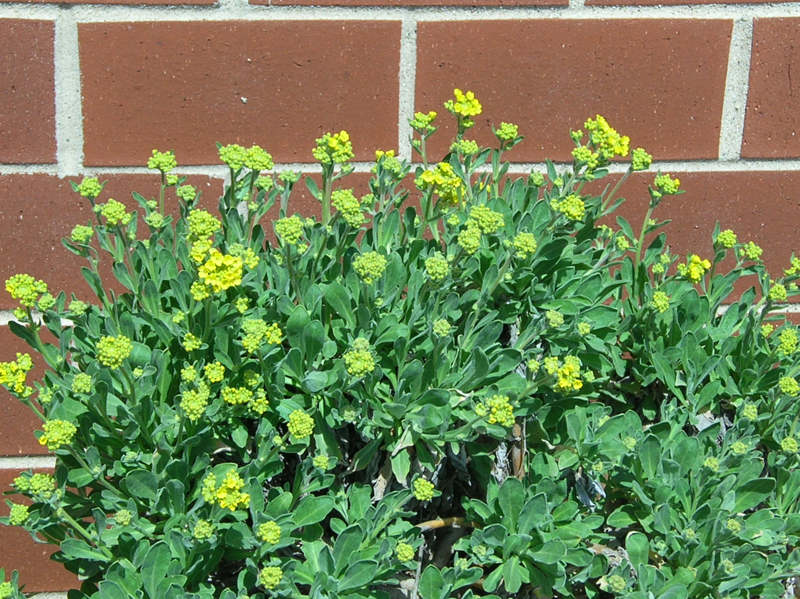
[
  {"x": 465, "y": 147},
  {"x": 258, "y": 159},
  {"x": 795, "y": 267},
  {"x": 162, "y": 161},
  {"x": 584, "y": 328},
  {"x": 233, "y": 155},
  {"x": 569, "y": 375},
  {"x": 221, "y": 271},
  {"x": 290, "y": 229},
  {"x": 256, "y": 331},
  {"x": 437, "y": 267},
  {"x": 358, "y": 360},
  {"x": 259, "y": 404},
  {"x": 202, "y": 225},
  {"x": 464, "y": 107},
  {"x": 191, "y": 342},
  {"x": 334, "y": 149},
  {"x": 777, "y": 293},
  {"x": 572, "y": 207},
  {"x": 694, "y": 269},
  {"x": 607, "y": 142},
  {"x": 82, "y": 383},
  {"x": 81, "y": 234},
  {"x": 237, "y": 396},
  {"x": 370, "y": 266},
  {"x": 498, "y": 409},
  {"x": 247, "y": 255},
  {"x": 39, "y": 485},
  {"x": 186, "y": 192},
  {"x": 444, "y": 181},
  {"x": 555, "y": 318},
  {"x": 215, "y": 372},
  {"x": 347, "y": 203},
  {"x": 487, "y": 220},
  {"x": 507, "y": 132},
  {"x": 57, "y": 433},
  {"x": 665, "y": 185},
  {"x": 25, "y": 289},
  {"x": 321, "y": 461},
  {"x": 789, "y": 445},
  {"x": 789, "y": 386},
  {"x": 727, "y": 238},
  {"x": 301, "y": 425},
  {"x": 442, "y": 328},
  {"x": 114, "y": 213},
  {"x": 203, "y": 530},
  {"x": 228, "y": 494},
  {"x": 90, "y": 187},
  {"x": 388, "y": 161},
  {"x": 423, "y": 489},
  {"x": 660, "y": 301},
  {"x": 751, "y": 251},
  {"x": 422, "y": 121},
  {"x": 583, "y": 154},
  {"x": 18, "y": 514},
  {"x": 640, "y": 160},
  {"x": 13, "y": 374},
  {"x": 112, "y": 351},
  {"x": 270, "y": 577},
  {"x": 788, "y": 341},
  {"x": 194, "y": 402},
  {"x": 269, "y": 532},
  {"x": 404, "y": 552}
]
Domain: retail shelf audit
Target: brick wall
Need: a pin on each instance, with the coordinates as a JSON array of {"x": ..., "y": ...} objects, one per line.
[{"x": 708, "y": 89}]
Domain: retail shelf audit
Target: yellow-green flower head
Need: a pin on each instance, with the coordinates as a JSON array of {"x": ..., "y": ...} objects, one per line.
[
  {"x": 750, "y": 251},
  {"x": 258, "y": 159},
  {"x": 237, "y": 396},
  {"x": 191, "y": 343},
  {"x": 470, "y": 238},
  {"x": 162, "y": 161},
  {"x": 202, "y": 225},
  {"x": 584, "y": 328},
  {"x": 81, "y": 234},
  {"x": 441, "y": 328},
  {"x": 388, "y": 161},
  {"x": 423, "y": 489},
  {"x": 666, "y": 185},
  {"x": 551, "y": 365},
  {"x": 203, "y": 530},
  {"x": 437, "y": 267},
  {"x": 789, "y": 445},
  {"x": 507, "y": 132},
  {"x": 221, "y": 271},
  {"x": 155, "y": 220},
  {"x": 465, "y": 147},
  {"x": 199, "y": 291},
  {"x": 269, "y": 532},
  {"x": 525, "y": 245},
  {"x": 46, "y": 302},
  {"x": 256, "y": 331},
  {"x": 795, "y": 267},
  {"x": 123, "y": 517},
  {"x": 233, "y": 155},
  {"x": 623, "y": 245},
  {"x": 711, "y": 463},
  {"x": 606, "y": 140},
  {"x": 554, "y": 318},
  {"x": 77, "y": 307},
  {"x": 486, "y": 219},
  {"x": 536, "y": 179},
  {"x": 13, "y": 374},
  {"x": 172, "y": 180},
  {"x": 498, "y": 410},
  {"x": 45, "y": 395},
  {"x": 18, "y": 514},
  {"x": 301, "y": 425},
  {"x": 777, "y": 293},
  {"x": 733, "y": 525},
  {"x": 444, "y": 182},
  {"x": 694, "y": 269},
  {"x": 660, "y": 302},
  {"x": 347, "y": 203},
  {"x": 270, "y": 577},
  {"x": 788, "y": 341},
  {"x": 370, "y": 266},
  {"x": 82, "y": 383},
  {"x": 789, "y": 386},
  {"x": 247, "y": 255},
  {"x": 569, "y": 375},
  {"x": 215, "y": 372},
  {"x": 534, "y": 365},
  {"x": 572, "y": 207},
  {"x": 629, "y": 443},
  {"x": 422, "y": 121},
  {"x": 404, "y": 552},
  {"x": 90, "y": 187},
  {"x": 464, "y": 107},
  {"x": 189, "y": 374},
  {"x": 186, "y": 192},
  {"x": 199, "y": 249},
  {"x": 321, "y": 461},
  {"x": 727, "y": 238},
  {"x": 25, "y": 289},
  {"x": 137, "y": 372},
  {"x": 616, "y": 584},
  {"x": 766, "y": 330},
  {"x": 290, "y": 229},
  {"x": 640, "y": 160},
  {"x": 57, "y": 433},
  {"x": 584, "y": 155},
  {"x": 259, "y": 404},
  {"x": 265, "y": 183},
  {"x": 598, "y": 467},
  {"x": 739, "y": 448},
  {"x": 241, "y": 304},
  {"x": 334, "y": 148},
  {"x": 228, "y": 495},
  {"x": 750, "y": 411},
  {"x": 114, "y": 213},
  {"x": 39, "y": 485},
  {"x": 112, "y": 351},
  {"x": 358, "y": 360}
]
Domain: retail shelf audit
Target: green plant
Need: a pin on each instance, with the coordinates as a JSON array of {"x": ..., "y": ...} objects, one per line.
[{"x": 485, "y": 393}]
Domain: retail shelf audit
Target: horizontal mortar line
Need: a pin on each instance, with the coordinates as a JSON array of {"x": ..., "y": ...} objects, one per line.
[
  {"x": 90, "y": 13},
  {"x": 49, "y": 596},
  {"x": 24, "y": 462}
]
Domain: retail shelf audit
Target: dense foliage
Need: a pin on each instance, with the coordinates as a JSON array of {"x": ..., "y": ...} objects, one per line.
[{"x": 473, "y": 390}]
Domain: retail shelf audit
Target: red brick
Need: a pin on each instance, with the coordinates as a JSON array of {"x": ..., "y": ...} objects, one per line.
[
  {"x": 659, "y": 81},
  {"x": 18, "y": 551},
  {"x": 416, "y": 2},
  {"x": 772, "y": 123},
  {"x": 123, "y": 2},
  {"x": 27, "y": 95},
  {"x": 37, "y": 211},
  {"x": 183, "y": 86}
]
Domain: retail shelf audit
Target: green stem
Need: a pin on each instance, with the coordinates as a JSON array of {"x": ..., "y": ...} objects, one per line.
[
  {"x": 85, "y": 534},
  {"x": 607, "y": 201}
]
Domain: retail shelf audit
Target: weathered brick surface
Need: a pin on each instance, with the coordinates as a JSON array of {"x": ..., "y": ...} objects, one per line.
[
  {"x": 772, "y": 120},
  {"x": 661, "y": 81},
  {"x": 185, "y": 86},
  {"x": 18, "y": 551},
  {"x": 27, "y": 96},
  {"x": 475, "y": 3}
]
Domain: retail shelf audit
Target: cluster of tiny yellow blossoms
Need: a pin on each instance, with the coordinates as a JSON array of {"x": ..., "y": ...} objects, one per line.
[
  {"x": 334, "y": 149},
  {"x": 155, "y": 220},
  {"x": 569, "y": 375},
  {"x": 794, "y": 268},
  {"x": 554, "y": 318},
  {"x": 347, "y": 203},
  {"x": 237, "y": 396},
  {"x": 162, "y": 161},
  {"x": 583, "y": 154},
  {"x": 220, "y": 271},
  {"x": 112, "y": 351},
  {"x": 301, "y": 425},
  {"x": 422, "y": 121},
  {"x": 25, "y": 289},
  {"x": 114, "y": 213},
  {"x": 6, "y": 590},
  {"x": 195, "y": 401},
  {"x": 536, "y": 179},
  {"x": 777, "y": 293},
  {"x": 437, "y": 267},
  {"x": 665, "y": 185},
  {"x": 623, "y": 245},
  {"x": 269, "y": 532},
  {"x": 57, "y": 433},
  {"x": 358, "y": 359},
  {"x": 247, "y": 255},
  {"x": 605, "y": 139},
  {"x": 465, "y": 147},
  {"x": 616, "y": 584},
  {"x": 81, "y": 234},
  {"x": 423, "y": 489},
  {"x": 259, "y": 404},
  {"x": 202, "y": 225},
  {"x": 789, "y": 445},
  {"x": 766, "y": 330},
  {"x": 660, "y": 301},
  {"x": 404, "y": 552},
  {"x": 13, "y": 374},
  {"x": 270, "y": 577},
  {"x": 694, "y": 269},
  {"x": 77, "y": 307},
  {"x": 18, "y": 514},
  {"x": 584, "y": 328},
  {"x": 487, "y": 220},
  {"x": 39, "y": 485},
  {"x": 199, "y": 250},
  {"x": 258, "y": 159},
  {"x": 739, "y": 448},
  {"x": 82, "y": 383},
  {"x": 321, "y": 461},
  {"x": 444, "y": 181},
  {"x": 186, "y": 192},
  {"x": 750, "y": 411},
  {"x": 640, "y": 160},
  {"x": 789, "y": 386},
  {"x": 123, "y": 517},
  {"x": 750, "y": 251},
  {"x": 525, "y": 245},
  {"x": 370, "y": 266},
  {"x": 572, "y": 207},
  {"x": 727, "y": 238},
  {"x": 192, "y": 342},
  {"x": 442, "y": 328},
  {"x": 497, "y": 409},
  {"x": 289, "y": 229},
  {"x": 388, "y": 161},
  {"x": 256, "y": 331},
  {"x": 711, "y": 463},
  {"x": 228, "y": 495},
  {"x": 215, "y": 372},
  {"x": 788, "y": 341},
  {"x": 464, "y": 107},
  {"x": 233, "y": 155},
  {"x": 203, "y": 530},
  {"x": 507, "y": 132},
  {"x": 241, "y": 304},
  {"x": 90, "y": 187},
  {"x": 470, "y": 238}
]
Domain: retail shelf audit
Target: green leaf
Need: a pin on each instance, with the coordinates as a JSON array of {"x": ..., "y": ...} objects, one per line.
[
  {"x": 622, "y": 517},
  {"x": 111, "y": 590},
  {"x": 753, "y": 492},
  {"x": 315, "y": 381},
  {"x": 141, "y": 484},
  {"x": 532, "y": 514},
  {"x": 510, "y": 497},
  {"x": 155, "y": 567},
  {"x": 431, "y": 584},
  {"x": 346, "y": 545},
  {"x": 549, "y": 553},
  {"x": 360, "y": 574},
  {"x": 511, "y": 574},
  {"x": 638, "y": 548},
  {"x": 650, "y": 455},
  {"x": 338, "y": 298},
  {"x": 311, "y": 510},
  {"x": 75, "y": 549}
]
